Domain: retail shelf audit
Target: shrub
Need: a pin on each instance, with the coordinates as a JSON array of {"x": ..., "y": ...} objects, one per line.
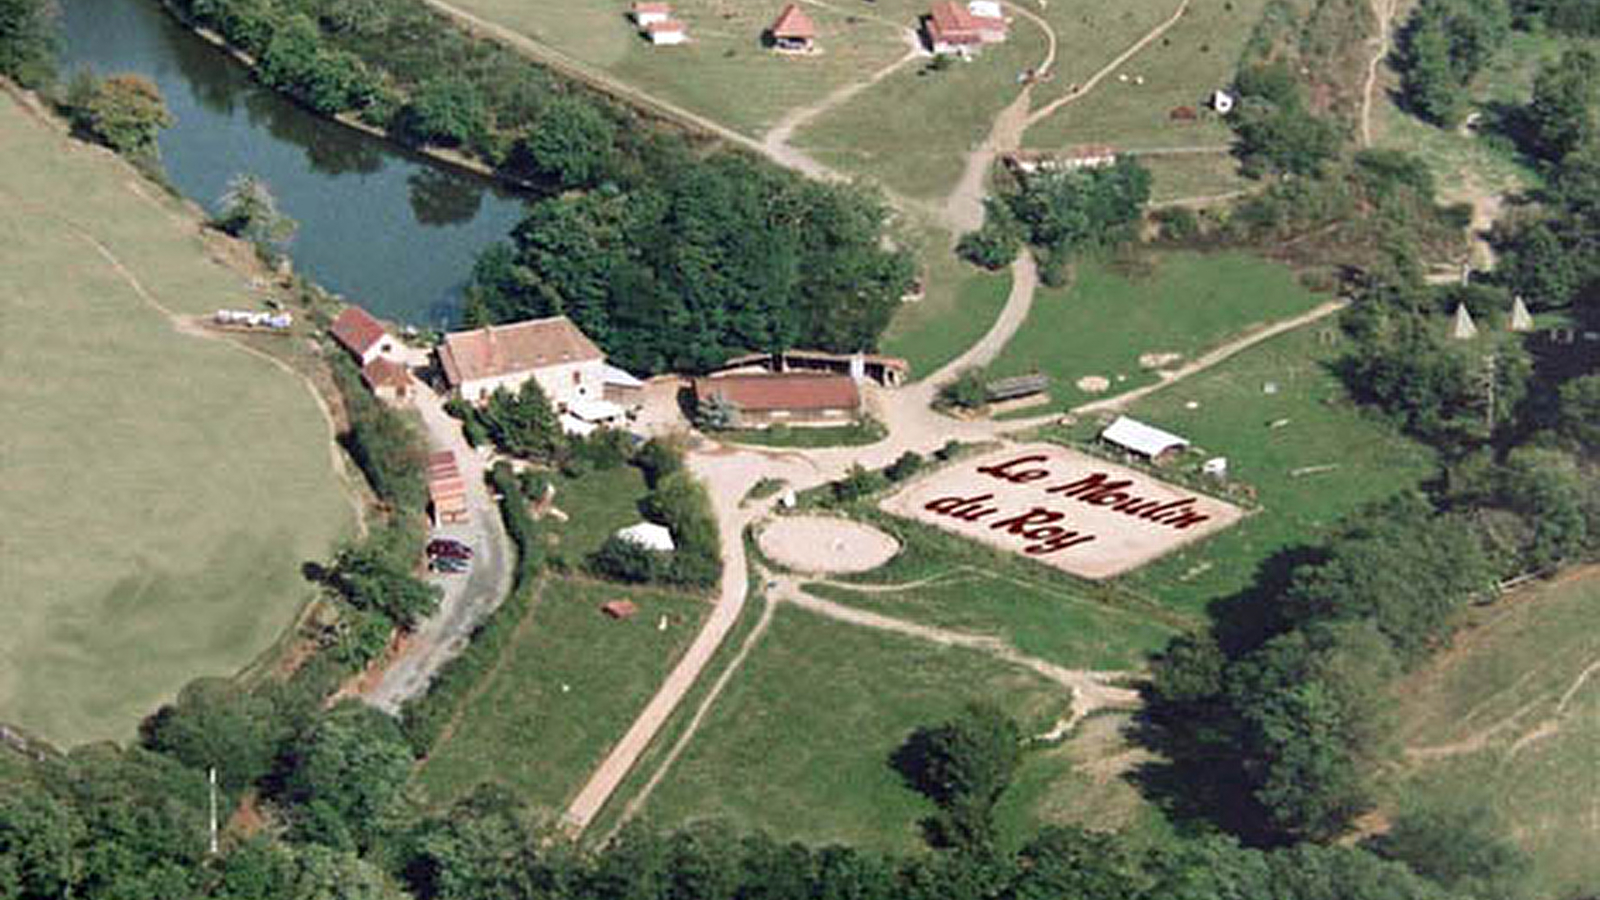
[
  {"x": 859, "y": 482},
  {"x": 625, "y": 560},
  {"x": 909, "y": 464},
  {"x": 967, "y": 391}
]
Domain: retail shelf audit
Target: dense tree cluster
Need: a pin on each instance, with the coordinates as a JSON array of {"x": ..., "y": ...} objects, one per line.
[
  {"x": 1581, "y": 17},
  {"x": 385, "y": 446},
  {"x": 123, "y": 112},
  {"x": 1442, "y": 48},
  {"x": 1060, "y": 213},
  {"x": 1275, "y": 131},
  {"x": 712, "y": 259},
  {"x": 27, "y": 42}
]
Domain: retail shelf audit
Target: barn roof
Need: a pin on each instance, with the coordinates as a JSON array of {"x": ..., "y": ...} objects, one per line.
[
  {"x": 356, "y": 330},
  {"x": 510, "y": 349},
  {"x": 783, "y": 391},
  {"x": 950, "y": 23},
  {"x": 792, "y": 22},
  {"x": 1145, "y": 440},
  {"x": 383, "y": 372}
]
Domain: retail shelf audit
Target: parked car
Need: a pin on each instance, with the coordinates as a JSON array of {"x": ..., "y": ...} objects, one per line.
[
  {"x": 449, "y": 565},
  {"x": 449, "y": 548}
]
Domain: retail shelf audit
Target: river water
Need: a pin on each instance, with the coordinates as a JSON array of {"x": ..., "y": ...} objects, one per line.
[{"x": 389, "y": 229}]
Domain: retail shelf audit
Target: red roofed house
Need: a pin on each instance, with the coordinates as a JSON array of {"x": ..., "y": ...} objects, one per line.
[
  {"x": 388, "y": 380},
  {"x": 951, "y": 29},
  {"x": 770, "y": 399},
  {"x": 990, "y": 19},
  {"x": 793, "y": 31},
  {"x": 358, "y": 332},
  {"x": 666, "y": 33},
  {"x": 567, "y": 365},
  {"x": 646, "y": 14}
]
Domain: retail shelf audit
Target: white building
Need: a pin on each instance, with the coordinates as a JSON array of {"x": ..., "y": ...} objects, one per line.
[
  {"x": 647, "y": 14},
  {"x": 648, "y": 535},
  {"x": 1222, "y": 102},
  {"x": 562, "y": 359},
  {"x": 1144, "y": 440},
  {"x": 361, "y": 335},
  {"x": 666, "y": 33}
]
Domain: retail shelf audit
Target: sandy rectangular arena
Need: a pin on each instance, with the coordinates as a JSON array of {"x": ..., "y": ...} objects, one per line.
[{"x": 1066, "y": 509}]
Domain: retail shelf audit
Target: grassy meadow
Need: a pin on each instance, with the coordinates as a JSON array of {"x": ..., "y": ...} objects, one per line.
[
  {"x": 1107, "y": 318},
  {"x": 596, "y": 505},
  {"x": 799, "y": 742},
  {"x": 569, "y": 684},
  {"x": 162, "y": 488},
  {"x": 1357, "y": 456},
  {"x": 1505, "y": 725},
  {"x": 960, "y": 305}
]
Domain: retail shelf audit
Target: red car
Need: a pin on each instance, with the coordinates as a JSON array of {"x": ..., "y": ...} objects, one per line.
[{"x": 449, "y": 548}]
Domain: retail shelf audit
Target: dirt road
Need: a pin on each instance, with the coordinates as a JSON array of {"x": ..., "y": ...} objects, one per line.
[{"x": 467, "y": 599}]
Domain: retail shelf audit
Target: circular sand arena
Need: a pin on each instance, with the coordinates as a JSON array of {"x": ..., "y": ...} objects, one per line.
[{"x": 822, "y": 544}]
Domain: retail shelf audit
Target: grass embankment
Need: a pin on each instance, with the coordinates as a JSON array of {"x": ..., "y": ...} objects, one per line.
[
  {"x": 799, "y": 743},
  {"x": 1309, "y": 423},
  {"x": 567, "y": 685},
  {"x": 1506, "y": 723},
  {"x": 961, "y": 304},
  {"x": 856, "y": 434},
  {"x": 1176, "y": 303},
  {"x": 163, "y": 487}
]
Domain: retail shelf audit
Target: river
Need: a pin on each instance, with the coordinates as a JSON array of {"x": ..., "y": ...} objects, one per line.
[{"x": 390, "y": 230}]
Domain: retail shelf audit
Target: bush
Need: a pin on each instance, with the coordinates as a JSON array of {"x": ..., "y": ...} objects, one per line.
[
  {"x": 658, "y": 458},
  {"x": 123, "y": 112},
  {"x": 909, "y": 464},
  {"x": 859, "y": 482},
  {"x": 385, "y": 447},
  {"x": 625, "y": 560},
  {"x": 997, "y": 243},
  {"x": 967, "y": 391}
]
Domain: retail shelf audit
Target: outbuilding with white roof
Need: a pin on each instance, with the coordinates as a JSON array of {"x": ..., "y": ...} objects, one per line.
[{"x": 1141, "y": 439}]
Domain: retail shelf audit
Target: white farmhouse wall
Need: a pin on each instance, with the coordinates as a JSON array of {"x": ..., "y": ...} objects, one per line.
[{"x": 562, "y": 383}]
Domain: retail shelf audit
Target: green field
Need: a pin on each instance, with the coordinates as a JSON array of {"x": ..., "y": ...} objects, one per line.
[
  {"x": 569, "y": 684},
  {"x": 1188, "y": 175},
  {"x": 942, "y": 580},
  {"x": 798, "y": 744},
  {"x": 961, "y": 304},
  {"x": 1106, "y": 320},
  {"x": 1181, "y": 68},
  {"x": 596, "y": 505},
  {"x": 161, "y": 489},
  {"x": 1512, "y": 717},
  {"x": 1233, "y": 417},
  {"x": 723, "y": 72}
]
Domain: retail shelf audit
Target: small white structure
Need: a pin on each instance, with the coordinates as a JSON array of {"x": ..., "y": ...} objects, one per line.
[
  {"x": 1216, "y": 467},
  {"x": 787, "y": 499},
  {"x": 1222, "y": 101},
  {"x": 666, "y": 33},
  {"x": 618, "y": 386},
  {"x": 985, "y": 9},
  {"x": 1521, "y": 320},
  {"x": 583, "y": 416},
  {"x": 1144, "y": 440},
  {"x": 648, "y": 535},
  {"x": 1463, "y": 329},
  {"x": 647, "y": 14}
]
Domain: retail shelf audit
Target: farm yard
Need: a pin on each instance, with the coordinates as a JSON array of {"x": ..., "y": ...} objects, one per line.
[
  {"x": 567, "y": 686},
  {"x": 1503, "y": 726},
  {"x": 1121, "y": 326},
  {"x": 133, "y": 440}
]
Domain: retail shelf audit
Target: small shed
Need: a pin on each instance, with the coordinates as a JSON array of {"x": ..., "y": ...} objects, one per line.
[
  {"x": 1002, "y": 389},
  {"x": 620, "y": 609},
  {"x": 1143, "y": 440},
  {"x": 666, "y": 33},
  {"x": 388, "y": 380},
  {"x": 648, "y": 535},
  {"x": 793, "y": 31},
  {"x": 447, "y": 490},
  {"x": 1222, "y": 102},
  {"x": 361, "y": 335}
]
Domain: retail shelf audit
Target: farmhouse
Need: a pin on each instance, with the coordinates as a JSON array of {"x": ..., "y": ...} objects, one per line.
[
  {"x": 793, "y": 31},
  {"x": 647, "y": 14},
  {"x": 553, "y": 352},
  {"x": 793, "y": 397},
  {"x": 388, "y": 380},
  {"x": 1143, "y": 440},
  {"x": 666, "y": 33},
  {"x": 361, "y": 335},
  {"x": 951, "y": 29},
  {"x": 991, "y": 21},
  {"x": 888, "y": 371}
]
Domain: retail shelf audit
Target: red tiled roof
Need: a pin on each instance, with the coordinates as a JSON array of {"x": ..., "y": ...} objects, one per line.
[
  {"x": 663, "y": 8},
  {"x": 356, "y": 330},
  {"x": 385, "y": 373},
  {"x": 950, "y": 23},
  {"x": 753, "y": 393},
  {"x": 664, "y": 26},
  {"x": 519, "y": 347},
  {"x": 794, "y": 23},
  {"x": 620, "y": 609}
]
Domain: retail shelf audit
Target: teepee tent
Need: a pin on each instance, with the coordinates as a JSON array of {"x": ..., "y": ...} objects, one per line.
[
  {"x": 1464, "y": 329},
  {"x": 1520, "y": 320}
]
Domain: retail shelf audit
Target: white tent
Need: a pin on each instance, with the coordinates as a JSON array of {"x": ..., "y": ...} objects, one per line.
[
  {"x": 1520, "y": 319},
  {"x": 1145, "y": 440},
  {"x": 1463, "y": 329},
  {"x": 596, "y": 412},
  {"x": 648, "y": 535}
]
